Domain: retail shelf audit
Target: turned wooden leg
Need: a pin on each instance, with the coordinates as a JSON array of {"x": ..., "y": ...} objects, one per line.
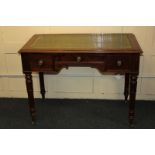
[
  {"x": 29, "y": 86},
  {"x": 42, "y": 85},
  {"x": 133, "y": 87},
  {"x": 126, "y": 87}
]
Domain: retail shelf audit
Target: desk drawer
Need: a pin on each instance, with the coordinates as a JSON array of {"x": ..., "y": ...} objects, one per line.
[
  {"x": 118, "y": 62},
  {"x": 38, "y": 62},
  {"x": 79, "y": 59}
]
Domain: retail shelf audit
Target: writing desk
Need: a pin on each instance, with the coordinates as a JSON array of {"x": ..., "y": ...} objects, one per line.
[{"x": 109, "y": 53}]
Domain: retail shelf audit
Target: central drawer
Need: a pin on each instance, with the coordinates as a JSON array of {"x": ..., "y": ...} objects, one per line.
[{"x": 79, "y": 59}]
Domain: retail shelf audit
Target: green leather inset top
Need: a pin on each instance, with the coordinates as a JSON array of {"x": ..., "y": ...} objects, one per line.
[{"x": 80, "y": 41}]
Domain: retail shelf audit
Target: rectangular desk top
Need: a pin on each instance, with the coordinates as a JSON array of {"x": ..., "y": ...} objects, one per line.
[{"x": 82, "y": 43}]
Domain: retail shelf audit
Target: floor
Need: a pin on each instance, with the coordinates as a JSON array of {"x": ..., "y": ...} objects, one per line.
[{"x": 75, "y": 114}]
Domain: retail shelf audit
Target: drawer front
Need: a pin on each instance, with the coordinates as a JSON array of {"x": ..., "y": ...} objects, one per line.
[
  {"x": 118, "y": 62},
  {"x": 83, "y": 60},
  {"x": 79, "y": 59},
  {"x": 38, "y": 62}
]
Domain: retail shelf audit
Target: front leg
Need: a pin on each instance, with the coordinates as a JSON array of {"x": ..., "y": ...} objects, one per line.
[
  {"x": 29, "y": 86},
  {"x": 133, "y": 87}
]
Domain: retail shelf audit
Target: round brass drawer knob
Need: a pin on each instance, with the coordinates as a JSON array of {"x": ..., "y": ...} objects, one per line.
[
  {"x": 119, "y": 63},
  {"x": 40, "y": 63},
  {"x": 78, "y": 59}
]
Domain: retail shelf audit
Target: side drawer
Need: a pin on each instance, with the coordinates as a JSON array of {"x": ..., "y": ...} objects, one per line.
[
  {"x": 37, "y": 62},
  {"x": 118, "y": 62}
]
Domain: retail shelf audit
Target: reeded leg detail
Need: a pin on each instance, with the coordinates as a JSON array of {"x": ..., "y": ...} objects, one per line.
[
  {"x": 126, "y": 87},
  {"x": 133, "y": 87},
  {"x": 29, "y": 86},
  {"x": 42, "y": 85}
]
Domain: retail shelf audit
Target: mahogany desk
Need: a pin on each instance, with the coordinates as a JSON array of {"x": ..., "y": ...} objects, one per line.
[{"x": 109, "y": 53}]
